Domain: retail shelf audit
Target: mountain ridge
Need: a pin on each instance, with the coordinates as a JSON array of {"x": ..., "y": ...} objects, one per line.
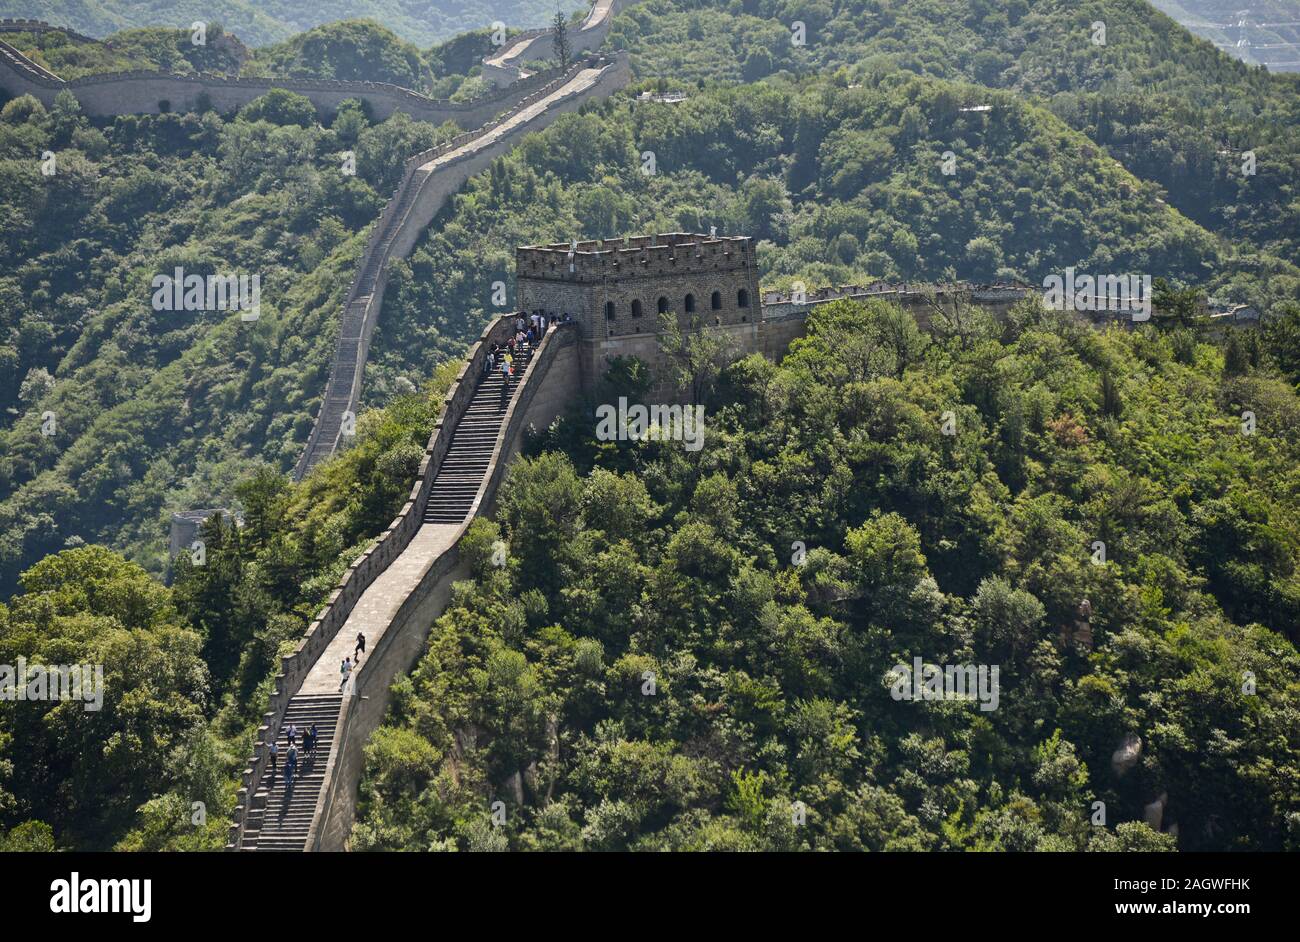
[{"x": 423, "y": 22}]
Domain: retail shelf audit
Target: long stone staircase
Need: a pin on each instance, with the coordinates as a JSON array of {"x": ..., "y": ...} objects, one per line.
[
  {"x": 461, "y": 474},
  {"x": 396, "y": 585},
  {"x": 280, "y": 814}
]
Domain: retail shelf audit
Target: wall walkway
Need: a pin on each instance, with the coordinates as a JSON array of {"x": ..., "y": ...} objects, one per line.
[
  {"x": 508, "y": 64},
  {"x": 394, "y": 592},
  {"x": 429, "y": 180}
]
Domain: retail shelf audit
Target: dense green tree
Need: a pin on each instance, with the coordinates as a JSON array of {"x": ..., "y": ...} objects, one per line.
[
  {"x": 88, "y": 763},
  {"x": 653, "y": 669}
]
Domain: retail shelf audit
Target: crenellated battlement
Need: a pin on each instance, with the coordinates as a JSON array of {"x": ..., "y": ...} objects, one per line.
[
  {"x": 652, "y": 256},
  {"x": 621, "y": 290},
  {"x": 24, "y": 70}
]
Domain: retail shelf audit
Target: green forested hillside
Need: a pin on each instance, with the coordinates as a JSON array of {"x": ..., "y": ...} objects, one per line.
[
  {"x": 354, "y": 50},
  {"x": 165, "y": 49},
  {"x": 187, "y": 669},
  {"x": 100, "y": 18},
  {"x": 157, "y": 415},
  {"x": 259, "y": 22},
  {"x": 842, "y": 185},
  {"x": 159, "y": 410},
  {"x": 361, "y": 50},
  {"x": 657, "y": 667},
  {"x": 72, "y": 777},
  {"x": 768, "y": 666},
  {"x": 1170, "y": 107}
]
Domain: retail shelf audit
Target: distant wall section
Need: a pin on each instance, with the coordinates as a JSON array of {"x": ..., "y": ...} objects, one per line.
[{"x": 144, "y": 92}]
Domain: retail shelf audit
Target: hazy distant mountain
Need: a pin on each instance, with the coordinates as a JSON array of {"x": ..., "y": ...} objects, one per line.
[
  {"x": 1261, "y": 32},
  {"x": 258, "y": 22}
]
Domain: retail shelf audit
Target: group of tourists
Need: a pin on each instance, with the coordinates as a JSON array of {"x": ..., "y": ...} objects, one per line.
[
  {"x": 501, "y": 358},
  {"x": 309, "y": 740},
  {"x": 352, "y": 663}
]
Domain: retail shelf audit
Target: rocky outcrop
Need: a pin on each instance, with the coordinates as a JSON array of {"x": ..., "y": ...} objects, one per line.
[
  {"x": 1154, "y": 813},
  {"x": 1126, "y": 754}
]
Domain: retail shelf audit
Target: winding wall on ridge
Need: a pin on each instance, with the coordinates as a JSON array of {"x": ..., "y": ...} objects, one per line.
[
  {"x": 21, "y": 25},
  {"x": 419, "y": 562},
  {"x": 429, "y": 179},
  {"x": 145, "y": 92},
  {"x": 507, "y": 65}
]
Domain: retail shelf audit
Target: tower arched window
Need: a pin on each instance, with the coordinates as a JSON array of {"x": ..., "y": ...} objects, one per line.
[
  {"x": 663, "y": 305},
  {"x": 715, "y": 302},
  {"x": 636, "y": 308},
  {"x": 742, "y": 298},
  {"x": 689, "y": 304},
  {"x": 609, "y": 310}
]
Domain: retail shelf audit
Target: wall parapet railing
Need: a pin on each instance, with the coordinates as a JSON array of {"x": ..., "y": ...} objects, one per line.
[
  {"x": 31, "y": 71},
  {"x": 512, "y": 48},
  {"x": 11, "y": 24}
]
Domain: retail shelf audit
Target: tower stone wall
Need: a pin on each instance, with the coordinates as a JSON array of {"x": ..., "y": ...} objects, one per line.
[{"x": 618, "y": 289}]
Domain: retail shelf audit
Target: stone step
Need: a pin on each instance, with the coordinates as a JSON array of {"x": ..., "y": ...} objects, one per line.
[
  {"x": 474, "y": 440},
  {"x": 282, "y": 816}
]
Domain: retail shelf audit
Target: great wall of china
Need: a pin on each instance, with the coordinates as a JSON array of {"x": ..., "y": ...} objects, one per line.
[
  {"x": 395, "y": 590},
  {"x": 526, "y": 103},
  {"x": 393, "y": 593},
  {"x": 23, "y": 25},
  {"x": 147, "y": 92}
]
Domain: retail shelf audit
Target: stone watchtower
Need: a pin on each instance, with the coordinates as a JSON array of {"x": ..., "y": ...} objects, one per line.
[{"x": 616, "y": 289}]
